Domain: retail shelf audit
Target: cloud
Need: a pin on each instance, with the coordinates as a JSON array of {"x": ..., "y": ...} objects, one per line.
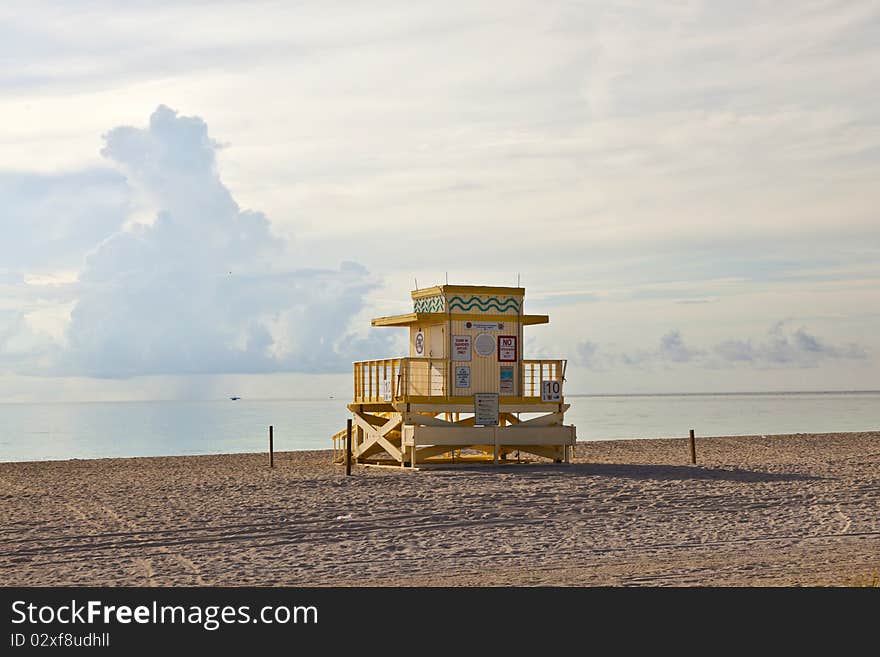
[
  {"x": 10, "y": 327},
  {"x": 53, "y": 219},
  {"x": 672, "y": 348},
  {"x": 19, "y": 342},
  {"x": 687, "y": 302},
  {"x": 587, "y": 355},
  {"x": 205, "y": 288},
  {"x": 659, "y": 150},
  {"x": 781, "y": 347}
]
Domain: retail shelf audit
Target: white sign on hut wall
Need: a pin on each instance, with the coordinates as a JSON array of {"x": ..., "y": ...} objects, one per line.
[
  {"x": 507, "y": 348},
  {"x": 461, "y": 347},
  {"x": 484, "y": 344},
  {"x": 463, "y": 376},
  {"x": 506, "y": 383},
  {"x": 420, "y": 343},
  {"x": 386, "y": 389},
  {"x": 551, "y": 391},
  {"x": 486, "y": 409},
  {"x": 485, "y": 326}
]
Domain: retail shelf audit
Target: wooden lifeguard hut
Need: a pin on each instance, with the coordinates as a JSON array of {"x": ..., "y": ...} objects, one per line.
[{"x": 464, "y": 394}]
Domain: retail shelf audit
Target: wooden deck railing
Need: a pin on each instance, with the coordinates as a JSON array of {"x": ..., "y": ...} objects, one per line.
[
  {"x": 535, "y": 372},
  {"x": 395, "y": 379}
]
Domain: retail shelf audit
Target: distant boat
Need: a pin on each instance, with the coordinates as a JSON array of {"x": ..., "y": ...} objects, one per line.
[{"x": 235, "y": 398}]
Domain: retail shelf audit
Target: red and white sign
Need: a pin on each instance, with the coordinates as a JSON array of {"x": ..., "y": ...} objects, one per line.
[{"x": 507, "y": 348}]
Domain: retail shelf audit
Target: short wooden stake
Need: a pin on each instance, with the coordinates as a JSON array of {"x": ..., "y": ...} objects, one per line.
[
  {"x": 348, "y": 448},
  {"x": 271, "y": 449},
  {"x": 693, "y": 448}
]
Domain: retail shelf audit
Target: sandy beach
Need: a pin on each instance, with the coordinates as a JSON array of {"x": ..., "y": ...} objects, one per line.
[{"x": 756, "y": 511}]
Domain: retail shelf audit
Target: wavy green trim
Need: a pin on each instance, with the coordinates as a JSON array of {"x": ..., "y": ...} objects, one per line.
[{"x": 485, "y": 305}]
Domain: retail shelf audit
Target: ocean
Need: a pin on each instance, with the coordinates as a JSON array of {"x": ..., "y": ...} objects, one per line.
[{"x": 32, "y": 432}]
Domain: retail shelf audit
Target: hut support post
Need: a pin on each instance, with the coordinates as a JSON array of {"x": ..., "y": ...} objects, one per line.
[{"x": 348, "y": 448}]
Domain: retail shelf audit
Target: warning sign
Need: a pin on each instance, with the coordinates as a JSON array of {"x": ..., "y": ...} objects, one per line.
[
  {"x": 486, "y": 409},
  {"x": 461, "y": 347},
  {"x": 507, "y": 348},
  {"x": 463, "y": 376}
]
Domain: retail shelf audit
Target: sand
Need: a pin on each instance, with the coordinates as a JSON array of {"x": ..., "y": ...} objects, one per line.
[{"x": 756, "y": 511}]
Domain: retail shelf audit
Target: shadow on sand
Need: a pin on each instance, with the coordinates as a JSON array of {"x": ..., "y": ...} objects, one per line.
[{"x": 642, "y": 471}]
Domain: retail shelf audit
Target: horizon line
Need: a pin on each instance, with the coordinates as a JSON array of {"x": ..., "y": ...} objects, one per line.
[{"x": 577, "y": 395}]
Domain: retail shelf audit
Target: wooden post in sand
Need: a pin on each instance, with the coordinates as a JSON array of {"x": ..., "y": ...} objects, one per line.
[
  {"x": 271, "y": 449},
  {"x": 693, "y": 448},
  {"x": 348, "y": 448}
]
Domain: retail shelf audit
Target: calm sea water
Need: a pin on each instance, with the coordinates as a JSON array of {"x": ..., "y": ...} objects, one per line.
[{"x": 93, "y": 430}]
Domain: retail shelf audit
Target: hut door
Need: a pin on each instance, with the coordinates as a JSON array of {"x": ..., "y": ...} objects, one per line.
[
  {"x": 438, "y": 341},
  {"x": 437, "y": 349}
]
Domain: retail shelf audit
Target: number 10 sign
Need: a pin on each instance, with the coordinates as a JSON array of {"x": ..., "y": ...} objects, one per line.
[{"x": 551, "y": 391}]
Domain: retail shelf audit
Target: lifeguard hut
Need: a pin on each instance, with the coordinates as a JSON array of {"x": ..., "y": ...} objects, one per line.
[{"x": 464, "y": 394}]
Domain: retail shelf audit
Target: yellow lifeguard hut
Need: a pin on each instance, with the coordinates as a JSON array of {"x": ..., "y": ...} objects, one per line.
[{"x": 464, "y": 394}]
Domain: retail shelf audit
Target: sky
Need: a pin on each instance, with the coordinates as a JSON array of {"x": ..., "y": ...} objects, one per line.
[{"x": 202, "y": 199}]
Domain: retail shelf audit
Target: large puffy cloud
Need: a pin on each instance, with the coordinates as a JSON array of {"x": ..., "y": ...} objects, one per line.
[
  {"x": 20, "y": 344},
  {"x": 51, "y": 220},
  {"x": 204, "y": 287}
]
